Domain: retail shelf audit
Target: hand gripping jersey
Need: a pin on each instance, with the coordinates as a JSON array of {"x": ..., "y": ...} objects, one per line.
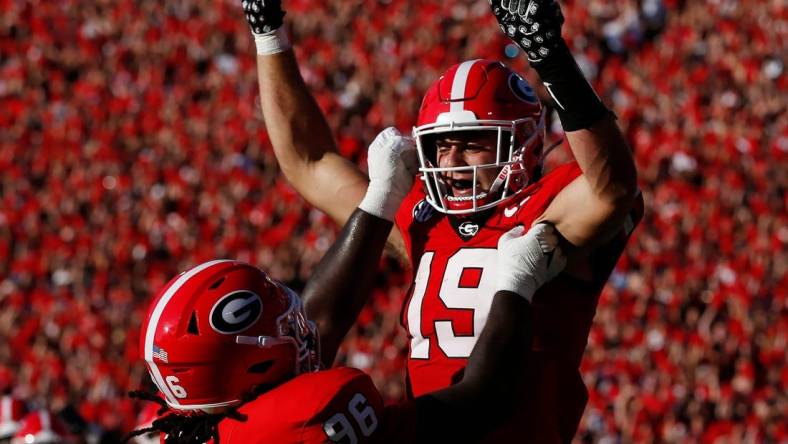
[
  {"x": 447, "y": 306},
  {"x": 338, "y": 405}
]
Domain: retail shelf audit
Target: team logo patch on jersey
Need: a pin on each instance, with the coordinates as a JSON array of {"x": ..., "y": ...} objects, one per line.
[
  {"x": 422, "y": 211},
  {"x": 522, "y": 89},
  {"x": 468, "y": 229},
  {"x": 235, "y": 312}
]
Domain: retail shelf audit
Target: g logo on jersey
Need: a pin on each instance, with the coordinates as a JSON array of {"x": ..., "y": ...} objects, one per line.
[
  {"x": 422, "y": 211},
  {"x": 236, "y": 311},
  {"x": 522, "y": 89},
  {"x": 468, "y": 229}
]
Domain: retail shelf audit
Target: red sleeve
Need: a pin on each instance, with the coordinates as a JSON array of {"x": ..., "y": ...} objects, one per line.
[
  {"x": 408, "y": 209},
  {"x": 353, "y": 409},
  {"x": 302, "y": 409},
  {"x": 540, "y": 194},
  {"x": 560, "y": 177},
  {"x": 404, "y": 216}
]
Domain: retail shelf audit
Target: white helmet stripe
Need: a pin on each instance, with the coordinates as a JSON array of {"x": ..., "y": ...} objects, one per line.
[
  {"x": 458, "y": 85},
  {"x": 154, "y": 322}
]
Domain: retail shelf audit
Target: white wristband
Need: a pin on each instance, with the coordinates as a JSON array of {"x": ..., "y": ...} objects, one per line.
[
  {"x": 272, "y": 42},
  {"x": 379, "y": 202}
]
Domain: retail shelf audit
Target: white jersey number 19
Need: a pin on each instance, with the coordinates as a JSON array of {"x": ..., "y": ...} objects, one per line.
[{"x": 453, "y": 296}]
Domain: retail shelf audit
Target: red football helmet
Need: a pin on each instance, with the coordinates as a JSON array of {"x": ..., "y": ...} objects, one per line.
[
  {"x": 481, "y": 95},
  {"x": 11, "y": 412},
  {"x": 221, "y": 328},
  {"x": 41, "y": 427}
]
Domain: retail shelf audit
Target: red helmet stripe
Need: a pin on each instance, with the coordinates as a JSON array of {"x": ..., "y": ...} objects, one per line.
[
  {"x": 154, "y": 322},
  {"x": 458, "y": 85}
]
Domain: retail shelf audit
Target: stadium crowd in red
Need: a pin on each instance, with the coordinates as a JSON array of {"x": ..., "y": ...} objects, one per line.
[{"x": 131, "y": 146}]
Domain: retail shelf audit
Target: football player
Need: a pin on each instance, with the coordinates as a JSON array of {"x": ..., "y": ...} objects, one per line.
[
  {"x": 479, "y": 135},
  {"x": 237, "y": 360}
]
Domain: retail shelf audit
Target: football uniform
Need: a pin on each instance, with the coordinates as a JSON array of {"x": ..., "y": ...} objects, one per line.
[
  {"x": 448, "y": 303},
  {"x": 338, "y": 405}
]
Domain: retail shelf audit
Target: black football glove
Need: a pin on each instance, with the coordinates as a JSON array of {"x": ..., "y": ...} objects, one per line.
[
  {"x": 263, "y": 15},
  {"x": 533, "y": 25}
]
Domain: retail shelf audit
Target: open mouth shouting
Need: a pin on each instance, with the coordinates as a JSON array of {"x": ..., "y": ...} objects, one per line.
[{"x": 462, "y": 189}]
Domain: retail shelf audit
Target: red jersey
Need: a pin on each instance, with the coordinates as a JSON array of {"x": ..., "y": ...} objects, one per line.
[
  {"x": 336, "y": 405},
  {"x": 447, "y": 306}
]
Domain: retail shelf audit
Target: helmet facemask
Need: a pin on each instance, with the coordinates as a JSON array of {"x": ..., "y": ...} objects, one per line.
[
  {"x": 513, "y": 171},
  {"x": 294, "y": 329}
]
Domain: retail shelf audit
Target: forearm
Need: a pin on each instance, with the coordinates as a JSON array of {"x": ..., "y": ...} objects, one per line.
[
  {"x": 302, "y": 140},
  {"x": 593, "y": 135},
  {"x": 298, "y": 130},
  {"x": 341, "y": 283},
  {"x": 489, "y": 387}
]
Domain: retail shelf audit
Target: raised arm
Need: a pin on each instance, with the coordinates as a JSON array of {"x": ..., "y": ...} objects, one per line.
[
  {"x": 303, "y": 142},
  {"x": 341, "y": 283},
  {"x": 300, "y": 135},
  {"x": 593, "y": 207}
]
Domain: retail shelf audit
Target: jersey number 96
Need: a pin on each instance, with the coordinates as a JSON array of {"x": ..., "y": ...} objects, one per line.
[{"x": 339, "y": 428}]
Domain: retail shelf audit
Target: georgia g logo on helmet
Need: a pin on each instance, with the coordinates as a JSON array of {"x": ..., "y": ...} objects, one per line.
[
  {"x": 236, "y": 311},
  {"x": 521, "y": 89}
]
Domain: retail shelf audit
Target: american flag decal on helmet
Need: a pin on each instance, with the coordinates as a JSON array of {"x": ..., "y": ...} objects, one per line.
[{"x": 159, "y": 353}]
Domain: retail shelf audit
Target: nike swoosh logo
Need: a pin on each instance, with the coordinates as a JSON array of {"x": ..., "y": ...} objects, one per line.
[
  {"x": 509, "y": 212},
  {"x": 549, "y": 88}
]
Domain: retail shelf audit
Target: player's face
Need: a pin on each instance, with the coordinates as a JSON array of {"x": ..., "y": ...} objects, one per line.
[{"x": 467, "y": 148}]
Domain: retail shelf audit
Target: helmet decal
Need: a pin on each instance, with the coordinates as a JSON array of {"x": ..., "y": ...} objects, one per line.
[
  {"x": 236, "y": 311},
  {"x": 521, "y": 89},
  {"x": 423, "y": 211}
]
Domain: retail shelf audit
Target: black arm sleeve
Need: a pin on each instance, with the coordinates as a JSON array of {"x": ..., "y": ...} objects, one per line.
[{"x": 340, "y": 284}]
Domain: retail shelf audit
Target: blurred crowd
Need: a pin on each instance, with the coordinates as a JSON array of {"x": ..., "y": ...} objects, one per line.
[{"x": 132, "y": 146}]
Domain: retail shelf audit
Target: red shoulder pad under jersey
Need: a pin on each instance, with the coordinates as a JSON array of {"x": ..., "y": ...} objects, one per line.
[
  {"x": 337, "y": 405},
  {"x": 539, "y": 195}
]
